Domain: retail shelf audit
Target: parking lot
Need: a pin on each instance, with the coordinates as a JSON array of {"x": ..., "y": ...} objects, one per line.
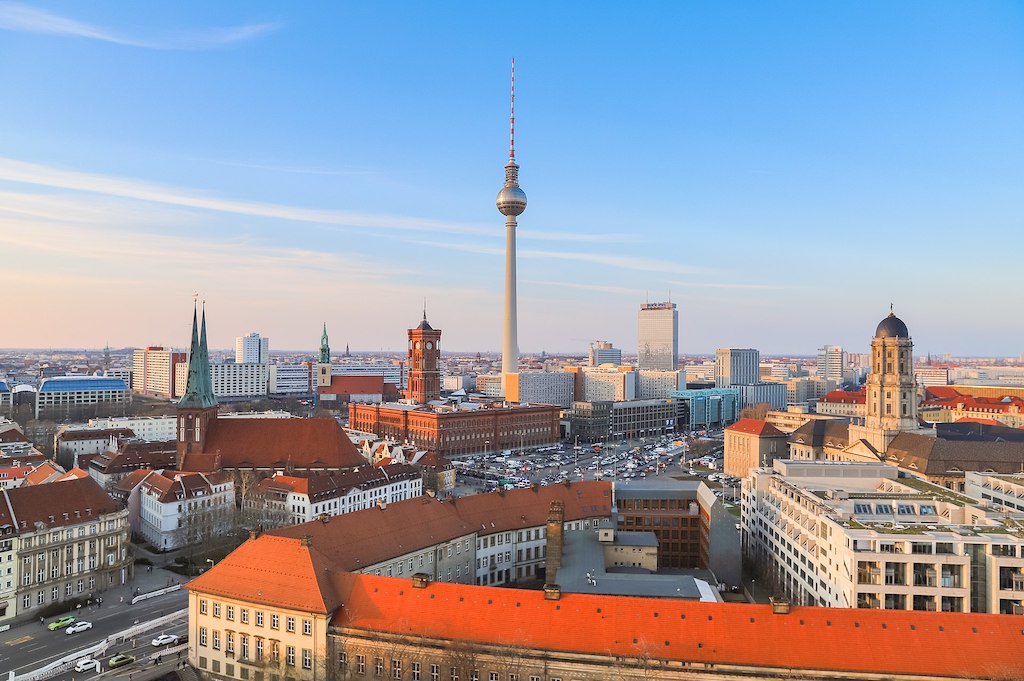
[{"x": 623, "y": 460}]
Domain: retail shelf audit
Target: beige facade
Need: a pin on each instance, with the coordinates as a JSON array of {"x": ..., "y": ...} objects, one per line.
[{"x": 746, "y": 449}]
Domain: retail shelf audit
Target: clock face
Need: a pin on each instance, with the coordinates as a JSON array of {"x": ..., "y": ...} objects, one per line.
[
  {"x": 417, "y": 345},
  {"x": 429, "y": 345}
]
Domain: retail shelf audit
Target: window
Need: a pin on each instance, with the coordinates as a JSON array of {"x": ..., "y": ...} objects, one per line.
[
  {"x": 216, "y": 639},
  {"x": 275, "y": 651},
  {"x": 202, "y": 636},
  {"x": 230, "y": 613},
  {"x": 862, "y": 509},
  {"x": 307, "y": 627},
  {"x": 454, "y": 674},
  {"x": 244, "y": 640},
  {"x": 216, "y": 609},
  {"x": 289, "y": 656},
  {"x": 378, "y": 666},
  {"x": 259, "y": 618},
  {"x": 275, "y": 621},
  {"x": 883, "y": 509},
  {"x": 343, "y": 661},
  {"x": 259, "y": 649},
  {"x": 905, "y": 509},
  {"x": 435, "y": 673},
  {"x": 396, "y": 669},
  {"x": 307, "y": 658},
  {"x": 415, "y": 671},
  {"x": 245, "y": 615},
  {"x": 230, "y": 641},
  {"x": 290, "y": 624},
  {"x": 360, "y": 664}
]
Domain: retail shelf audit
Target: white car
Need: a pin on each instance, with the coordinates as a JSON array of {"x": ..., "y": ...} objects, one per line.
[
  {"x": 78, "y": 626},
  {"x": 165, "y": 639},
  {"x": 87, "y": 664}
]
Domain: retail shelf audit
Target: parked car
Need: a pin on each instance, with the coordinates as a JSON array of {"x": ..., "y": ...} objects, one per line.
[
  {"x": 87, "y": 664},
  {"x": 120, "y": 660},
  {"x": 60, "y": 622},
  {"x": 79, "y": 626},
  {"x": 165, "y": 639}
]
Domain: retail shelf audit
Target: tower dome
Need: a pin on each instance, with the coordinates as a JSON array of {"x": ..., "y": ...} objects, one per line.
[
  {"x": 892, "y": 327},
  {"x": 511, "y": 200}
]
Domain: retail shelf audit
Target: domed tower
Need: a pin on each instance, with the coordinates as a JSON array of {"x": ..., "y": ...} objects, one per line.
[
  {"x": 511, "y": 203},
  {"x": 891, "y": 394}
]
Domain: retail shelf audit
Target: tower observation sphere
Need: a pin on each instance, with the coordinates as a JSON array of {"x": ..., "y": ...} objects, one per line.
[{"x": 511, "y": 199}]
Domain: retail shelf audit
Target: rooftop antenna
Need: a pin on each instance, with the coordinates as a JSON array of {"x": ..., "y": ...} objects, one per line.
[
  {"x": 890, "y": 309},
  {"x": 512, "y": 117}
]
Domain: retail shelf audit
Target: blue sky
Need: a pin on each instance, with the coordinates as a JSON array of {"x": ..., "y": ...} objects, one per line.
[{"x": 785, "y": 170}]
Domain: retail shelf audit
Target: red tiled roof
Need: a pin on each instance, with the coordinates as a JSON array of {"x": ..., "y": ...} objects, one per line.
[
  {"x": 353, "y": 540},
  {"x": 12, "y": 435},
  {"x": 940, "y": 392},
  {"x": 49, "y": 503},
  {"x": 272, "y": 570},
  {"x": 848, "y": 640},
  {"x": 845, "y": 397},
  {"x": 989, "y": 422},
  {"x": 96, "y": 434},
  {"x": 279, "y": 443},
  {"x": 354, "y": 385},
  {"x": 756, "y": 427}
]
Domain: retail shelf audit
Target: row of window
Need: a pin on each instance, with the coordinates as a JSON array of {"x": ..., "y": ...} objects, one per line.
[
  {"x": 418, "y": 671},
  {"x": 275, "y": 620},
  {"x": 258, "y": 649}
]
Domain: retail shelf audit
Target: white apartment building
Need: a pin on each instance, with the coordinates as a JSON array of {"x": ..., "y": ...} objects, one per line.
[
  {"x": 927, "y": 376},
  {"x": 658, "y": 336},
  {"x": 291, "y": 379},
  {"x": 154, "y": 372},
  {"x": 737, "y": 366},
  {"x": 174, "y": 510},
  {"x": 704, "y": 373},
  {"x": 252, "y": 349},
  {"x": 607, "y": 384},
  {"x": 230, "y": 380},
  {"x": 148, "y": 428},
  {"x": 392, "y": 373},
  {"x": 855, "y": 535},
  {"x": 831, "y": 363},
  {"x": 544, "y": 387},
  {"x": 652, "y": 384}
]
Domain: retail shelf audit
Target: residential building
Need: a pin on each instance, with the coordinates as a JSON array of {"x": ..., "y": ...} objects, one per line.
[
  {"x": 856, "y": 535},
  {"x": 72, "y": 441},
  {"x": 604, "y": 383},
  {"x": 950, "y": 405},
  {"x": 737, "y": 366},
  {"x": 173, "y": 510},
  {"x": 706, "y": 408},
  {"x": 66, "y": 540},
  {"x": 145, "y": 428},
  {"x": 658, "y": 337},
  {"x": 154, "y": 370},
  {"x": 603, "y": 352},
  {"x": 927, "y": 376},
  {"x": 653, "y": 384},
  {"x": 540, "y": 387},
  {"x": 843, "y": 404},
  {"x": 231, "y": 381},
  {"x": 288, "y": 500},
  {"x": 290, "y": 379},
  {"x": 775, "y": 395},
  {"x": 831, "y": 363},
  {"x": 752, "y": 443},
  {"x": 808, "y": 390},
  {"x": 62, "y": 396},
  {"x": 252, "y": 349},
  {"x": 490, "y": 385}
]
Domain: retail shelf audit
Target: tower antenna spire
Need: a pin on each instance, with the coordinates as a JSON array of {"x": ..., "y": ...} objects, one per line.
[{"x": 512, "y": 116}]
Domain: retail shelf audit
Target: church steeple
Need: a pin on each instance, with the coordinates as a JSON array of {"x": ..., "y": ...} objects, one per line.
[
  {"x": 325, "y": 347},
  {"x": 197, "y": 408}
]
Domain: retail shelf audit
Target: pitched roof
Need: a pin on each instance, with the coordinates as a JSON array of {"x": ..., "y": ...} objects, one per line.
[
  {"x": 822, "y": 433},
  {"x": 278, "y": 571},
  {"x": 903, "y": 642},
  {"x": 318, "y": 487},
  {"x": 845, "y": 397},
  {"x": 47, "y": 471},
  {"x": 935, "y": 456},
  {"x": 63, "y": 503},
  {"x": 353, "y": 540},
  {"x": 354, "y": 385},
  {"x": 95, "y": 434},
  {"x": 280, "y": 443},
  {"x": 756, "y": 427},
  {"x": 198, "y": 384}
]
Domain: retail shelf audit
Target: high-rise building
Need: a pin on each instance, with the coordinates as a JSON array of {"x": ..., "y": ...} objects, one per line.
[
  {"x": 153, "y": 371},
  {"x": 831, "y": 363},
  {"x": 658, "y": 336},
  {"x": 737, "y": 366},
  {"x": 602, "y": 352},
  {"x": 252, "y": 349},
  {"x": 511, "y": 203},
  {"x": 424, "y": 361}
]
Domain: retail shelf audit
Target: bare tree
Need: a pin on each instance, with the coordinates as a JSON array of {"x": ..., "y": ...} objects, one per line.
[{"x": 756, "y": 411}]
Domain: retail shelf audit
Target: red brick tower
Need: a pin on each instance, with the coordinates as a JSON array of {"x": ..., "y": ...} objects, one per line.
[{"x": 424, "y": 363}]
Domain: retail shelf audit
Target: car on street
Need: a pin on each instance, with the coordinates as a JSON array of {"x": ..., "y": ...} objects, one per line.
[
  {"x": 79, "y": 626},
  {"x": 120, "y": 660},
  {"x": 87, "y": 664},
  {"x": 165, "y": 639},
  {"x": 60, "y": 622}
]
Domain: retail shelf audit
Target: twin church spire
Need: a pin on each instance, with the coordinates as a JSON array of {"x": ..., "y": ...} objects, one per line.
[{"x": 199, "y": 385}]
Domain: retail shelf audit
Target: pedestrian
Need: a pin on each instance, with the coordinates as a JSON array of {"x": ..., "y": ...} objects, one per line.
[{"x": 41, "y": 620}]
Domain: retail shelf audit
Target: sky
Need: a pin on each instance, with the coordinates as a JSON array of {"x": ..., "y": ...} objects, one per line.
[{"x": 782, "y": 171}]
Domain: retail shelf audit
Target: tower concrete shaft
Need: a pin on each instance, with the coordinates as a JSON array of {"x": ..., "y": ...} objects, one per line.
[{"x": 510, "y": 344}]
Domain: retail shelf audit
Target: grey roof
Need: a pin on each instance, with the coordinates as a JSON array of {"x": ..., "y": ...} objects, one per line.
[
  {"x": 822, "y": 432},
  {"x": 685, "y": 488},
  {"x": 199, "y": 385},
  {"x": 934, "y": 456},
  {"x": 892, "y": 327}
]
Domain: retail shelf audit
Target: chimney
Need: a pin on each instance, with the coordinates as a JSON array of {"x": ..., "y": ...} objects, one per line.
[
  {"x": 556, "y": 521},
  {"x": 307, "y": 540},
  {"x": 254, "y": 534},
  {"x": 779, "y": 607},
  {"x": 552, "y": 592},
  {"x": 420, "y": 580}
]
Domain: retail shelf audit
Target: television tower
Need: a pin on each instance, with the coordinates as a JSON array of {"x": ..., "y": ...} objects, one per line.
[{"x": 511, "y": 203}]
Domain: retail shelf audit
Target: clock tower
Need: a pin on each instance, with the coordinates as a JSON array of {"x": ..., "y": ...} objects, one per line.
[{"x": 424, "y": 363}]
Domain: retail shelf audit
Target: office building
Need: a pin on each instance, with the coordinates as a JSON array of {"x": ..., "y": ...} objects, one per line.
[
  {"x": 290, "y": 379},
  {"x": 62, "y": 396},
  {"x": 658, "y": 337},
  {"x": 831, "y": 363},
  {"x": 599, "y": 421},
  {"x": 752, "y": 443},
  {"x": 737, "y": 366},
  {"x": 856, "y": 535},
  {"x": 541, "y": 387},
  {"x": 602, "y": 352},
  {"x": 231, "y": 381},
  {"x": 706, "y": 408},
  {"x": 775, "y": 395},
  {"x": 929, "y": 376},
  {"x": 154, "y": 371},
  {"x": 252, "y": 349}
]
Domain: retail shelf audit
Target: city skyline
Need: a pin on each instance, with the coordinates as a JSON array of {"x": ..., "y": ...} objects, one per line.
[{"x": 301, "y": 164}]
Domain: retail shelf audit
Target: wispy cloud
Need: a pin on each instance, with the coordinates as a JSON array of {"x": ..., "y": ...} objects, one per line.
[
  {"x": 37, "y": 174},
  {"x": 15, "y": 16},
  {"x": 587, "y": 287},
  {"x": 703, "y": 284}
]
